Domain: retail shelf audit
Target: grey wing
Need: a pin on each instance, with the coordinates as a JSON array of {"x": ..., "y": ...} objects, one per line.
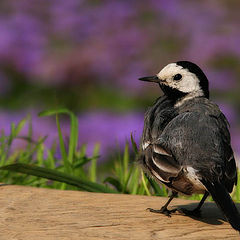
[
  {"x": 160, "y": 163},
  {"x": 202, "y": 141}
]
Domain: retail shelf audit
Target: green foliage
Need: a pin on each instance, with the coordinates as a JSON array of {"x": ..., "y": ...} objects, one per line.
[
  {"x": 55, "y": 175},
  {"x": 36, "y": 165}
]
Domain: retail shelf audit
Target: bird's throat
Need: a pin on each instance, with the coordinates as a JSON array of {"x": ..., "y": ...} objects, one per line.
[{"x": 172, "y": 93}]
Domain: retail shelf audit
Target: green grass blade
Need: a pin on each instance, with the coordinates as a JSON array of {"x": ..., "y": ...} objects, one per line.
[
  {"x": 134, "y": 181},
  {"x": 30, "y": 133},
  {"x": 157, "y": 190},
  {"x": 73, "y": 137},
  {"x": 93, "y": 166},
  {"x": 50, "y": 163},
  {"x": 12, "y": 134},
  {"x": 20, "y": 125},
  {"x": 67, "y": 166},
  {"x": 125, "y": 163},
  {"x": 3, "y": 147},
  {"x": 57, "y": 176},
  {"x": 15, "y": 129},
  {"x": 237, "y": 188},
  {"x": 125, "y": 189},
  {"x": 73, "y": 141},
  {"x": 40, "y": 154},
  {"x": 144, "y": 181},
  {"x": 134, "y": 145}
]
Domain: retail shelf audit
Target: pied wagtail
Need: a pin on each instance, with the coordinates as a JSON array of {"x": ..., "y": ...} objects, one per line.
[{"x": 186, "y": 142}]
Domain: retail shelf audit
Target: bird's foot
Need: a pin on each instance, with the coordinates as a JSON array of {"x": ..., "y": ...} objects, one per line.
[
  {"x": 194, "y": 213},
  {"x": 163, "y": 210}
]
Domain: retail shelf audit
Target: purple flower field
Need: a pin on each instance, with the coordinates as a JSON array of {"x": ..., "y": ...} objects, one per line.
[
  {"x": 87, "y": 56},
  {"x": 110, "y": 130}
]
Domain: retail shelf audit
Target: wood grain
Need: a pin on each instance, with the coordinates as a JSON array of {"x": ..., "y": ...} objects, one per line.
[{"x": 33, "y": 213}]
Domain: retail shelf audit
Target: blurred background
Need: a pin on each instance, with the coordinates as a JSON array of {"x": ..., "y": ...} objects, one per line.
[{"x": 87, "y": 56}]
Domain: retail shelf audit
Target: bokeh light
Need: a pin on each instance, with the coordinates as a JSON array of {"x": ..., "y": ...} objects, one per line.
[{"x": 87, "y": 56}]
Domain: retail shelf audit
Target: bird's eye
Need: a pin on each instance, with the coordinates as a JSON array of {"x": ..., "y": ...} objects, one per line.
[{"x": 177, "y": 77}]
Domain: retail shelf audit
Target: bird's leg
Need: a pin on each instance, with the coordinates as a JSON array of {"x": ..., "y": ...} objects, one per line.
[
  {"x": 164, "y": 210},
  {"x": 195, "y": 212}
]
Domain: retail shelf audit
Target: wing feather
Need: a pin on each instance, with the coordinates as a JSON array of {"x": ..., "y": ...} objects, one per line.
[{"x": 202, "y": 141}]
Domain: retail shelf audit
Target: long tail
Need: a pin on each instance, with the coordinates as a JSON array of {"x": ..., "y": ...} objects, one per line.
[{"x": 224, "y": 202}]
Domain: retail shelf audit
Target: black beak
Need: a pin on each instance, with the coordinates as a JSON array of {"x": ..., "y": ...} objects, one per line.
[{"x": 150, "y": 79}]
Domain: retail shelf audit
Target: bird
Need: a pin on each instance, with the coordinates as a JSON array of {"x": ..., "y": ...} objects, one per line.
[{"x": 186, "y": 143}]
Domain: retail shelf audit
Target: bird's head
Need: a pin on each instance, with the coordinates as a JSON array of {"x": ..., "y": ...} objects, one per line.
[{"x": 180, "y": 79}]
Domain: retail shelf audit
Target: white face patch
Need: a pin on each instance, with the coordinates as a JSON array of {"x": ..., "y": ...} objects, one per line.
[{"x": 189, "y": 83}]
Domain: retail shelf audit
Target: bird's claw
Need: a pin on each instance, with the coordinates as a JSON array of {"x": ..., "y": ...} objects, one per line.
[{"x": 163, "y": 210}]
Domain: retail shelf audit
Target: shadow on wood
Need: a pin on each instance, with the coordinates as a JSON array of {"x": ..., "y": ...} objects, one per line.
[
  {"x": 210, "y": 213},
  {"x": 34, "y": 213}
]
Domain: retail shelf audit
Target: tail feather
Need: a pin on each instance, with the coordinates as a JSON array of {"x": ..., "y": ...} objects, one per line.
[{"x": 224, "y": 202}]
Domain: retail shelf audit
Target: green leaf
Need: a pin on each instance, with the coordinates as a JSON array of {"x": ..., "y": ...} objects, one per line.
[
  {"x": 30, "y": 133},
  {"x": 134, "y": 145},
  {"x": 66, "y": 163},
  {"x": 79, "y": 162},
  {"x": 128, "y": 175},
  {"x": 40, "y": 154},
  {"x": 237, "y": 191},
  {"x": 93, "y": 166},
  {"x": 20, "y": 125},
  {"x": 57, "y": 176},
  {"x": 134, "y": 181},
  {"x": 73, "y": 140},
  {"x": 3, "y": 146},
  {"x": 73, "y": 131},
  {"x": 155, "y": 186},
  {"x": 144, "y": 181},
  {"x": 125, "y": 163}
]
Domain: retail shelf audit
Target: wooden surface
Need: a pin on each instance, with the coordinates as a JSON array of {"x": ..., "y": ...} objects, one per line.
[{"x": 33, "y": 213}]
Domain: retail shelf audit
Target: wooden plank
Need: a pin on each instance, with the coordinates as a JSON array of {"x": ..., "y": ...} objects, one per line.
[{"x": 33, "y": 213}]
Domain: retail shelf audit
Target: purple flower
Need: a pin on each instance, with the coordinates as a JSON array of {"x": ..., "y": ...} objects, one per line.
[
  {"x": 221, "y": 80},
  {"x": 229, "y": 112},
  {"x": 109, "y": 129},
  {"x": 110, "y": 42}
]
